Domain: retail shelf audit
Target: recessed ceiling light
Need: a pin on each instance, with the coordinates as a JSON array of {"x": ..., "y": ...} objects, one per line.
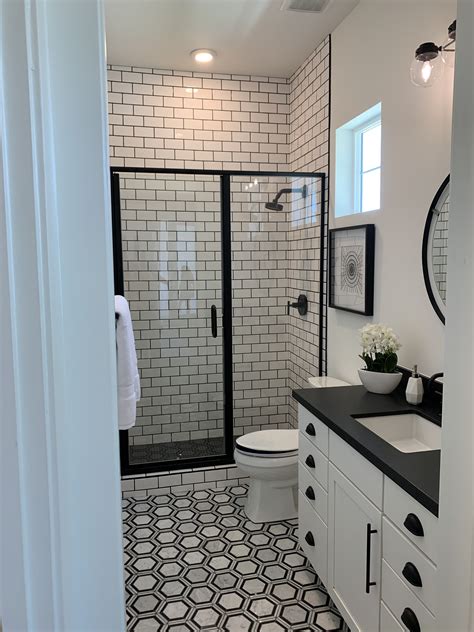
[{"x": 203, "y": 55}]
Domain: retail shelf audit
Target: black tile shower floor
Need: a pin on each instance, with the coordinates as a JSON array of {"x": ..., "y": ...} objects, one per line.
[
  {"x": 195, "y": 562},
  {"x": 176, "y": 450}
]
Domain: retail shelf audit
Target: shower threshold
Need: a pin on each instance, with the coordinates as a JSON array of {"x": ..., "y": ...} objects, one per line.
[{"x": 176, "y": 450}]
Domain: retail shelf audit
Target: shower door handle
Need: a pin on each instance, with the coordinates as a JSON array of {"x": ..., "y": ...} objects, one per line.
[{"x": 214, "y": 321}]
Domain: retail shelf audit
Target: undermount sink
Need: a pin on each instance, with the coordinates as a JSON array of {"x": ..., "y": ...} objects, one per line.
[{"x": 407, "y": 432}]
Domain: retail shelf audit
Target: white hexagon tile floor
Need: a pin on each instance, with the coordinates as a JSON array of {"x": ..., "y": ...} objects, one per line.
[{"x": 194, "y": 561}]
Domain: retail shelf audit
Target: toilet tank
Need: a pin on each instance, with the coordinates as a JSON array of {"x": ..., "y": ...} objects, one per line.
[{"x": 325, "y": 381}]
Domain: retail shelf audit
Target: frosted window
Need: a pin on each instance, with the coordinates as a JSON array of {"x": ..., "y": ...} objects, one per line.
[
  {"x": 371, "y": 143},
  {"x": 370, "y": 167},
  {"x": 370, "y": 190}
]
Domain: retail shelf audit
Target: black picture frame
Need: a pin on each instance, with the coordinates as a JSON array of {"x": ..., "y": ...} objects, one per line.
[{"x": 368, "y": 271}]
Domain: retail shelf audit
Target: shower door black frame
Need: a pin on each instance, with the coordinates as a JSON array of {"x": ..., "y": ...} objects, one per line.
[{"x": 225, "y": 177}]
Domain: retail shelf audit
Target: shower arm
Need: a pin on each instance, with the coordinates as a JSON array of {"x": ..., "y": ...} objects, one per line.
[{"x": 302, "y": 190}]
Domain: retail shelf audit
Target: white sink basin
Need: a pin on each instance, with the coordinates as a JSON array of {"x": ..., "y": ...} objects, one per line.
[{"x": 407, "y": 432}]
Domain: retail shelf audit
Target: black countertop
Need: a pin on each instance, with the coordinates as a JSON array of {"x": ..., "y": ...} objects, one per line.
[{"x": 417, "y": 472}]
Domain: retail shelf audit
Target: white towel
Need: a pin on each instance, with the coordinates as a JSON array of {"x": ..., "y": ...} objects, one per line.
[{"x": 128, "y": 379}]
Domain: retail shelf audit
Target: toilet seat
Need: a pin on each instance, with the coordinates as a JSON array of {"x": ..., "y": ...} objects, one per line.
[{"x": 268, "y": 443}]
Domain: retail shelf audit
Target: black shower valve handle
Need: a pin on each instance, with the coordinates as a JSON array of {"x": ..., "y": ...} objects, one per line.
[{"x": 301, "y": 304}]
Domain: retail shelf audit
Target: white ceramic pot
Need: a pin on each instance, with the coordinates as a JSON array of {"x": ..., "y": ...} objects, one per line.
[{"x": 382, "y": 383}]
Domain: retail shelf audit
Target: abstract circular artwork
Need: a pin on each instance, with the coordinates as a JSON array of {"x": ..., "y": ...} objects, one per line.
[
  {"x": 351, "y": 268},
  {"x": 352, "y": 272}
]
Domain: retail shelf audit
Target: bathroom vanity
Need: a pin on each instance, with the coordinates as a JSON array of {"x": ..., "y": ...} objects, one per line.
[{"x": 368, "y": 505}]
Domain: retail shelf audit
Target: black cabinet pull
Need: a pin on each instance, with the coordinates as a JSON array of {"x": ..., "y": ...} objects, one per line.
[
  {"x": 309, "y": 537},
  {"x": 368, "y": 583},
  {"x": 411, "y": 574},
  {"x": 310, "y": 493},
  {"x": 214, "y": 321},
  {"x": 310, "y": 430},
  {"x": 410, "y": 619},
  {"x": 310, "y": 461},
  {"x": 413, "y": 524}
]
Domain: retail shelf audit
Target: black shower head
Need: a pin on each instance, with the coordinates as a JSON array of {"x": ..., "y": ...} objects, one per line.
[{"x": 274, "y": 206}]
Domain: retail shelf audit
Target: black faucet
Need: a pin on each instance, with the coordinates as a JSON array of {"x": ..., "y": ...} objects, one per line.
[
  {"x": 431, "y": 391},
  {"x": 431, "y": 386}
]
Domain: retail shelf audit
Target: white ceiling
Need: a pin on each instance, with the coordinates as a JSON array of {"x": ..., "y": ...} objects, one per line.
[{"x": 249, "y": 36}]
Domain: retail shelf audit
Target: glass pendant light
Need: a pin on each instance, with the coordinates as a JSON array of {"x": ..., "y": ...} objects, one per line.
[{"x": 427, "y": 66}]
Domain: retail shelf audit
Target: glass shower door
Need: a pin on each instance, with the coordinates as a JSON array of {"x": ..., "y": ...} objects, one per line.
[{"x": 172, "y": 276}]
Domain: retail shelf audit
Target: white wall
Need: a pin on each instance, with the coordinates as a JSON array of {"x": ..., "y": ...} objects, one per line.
[{"x": 371, "y": 55}]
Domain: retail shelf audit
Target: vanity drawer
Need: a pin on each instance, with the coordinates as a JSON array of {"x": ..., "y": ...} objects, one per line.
[
  {"x": 363, "y": 474},
  {"x": 388, "y": 622},
  {"x": 408, "y": 561},
  {"x": 309, "y": 486},
  {"x": 313, "y": 537},
  {"x": 402, "y": 602},
  {"x": 314, "y": 460},
  {"x": 411, "y": 518},
  {"x": 309, "y": 424}
]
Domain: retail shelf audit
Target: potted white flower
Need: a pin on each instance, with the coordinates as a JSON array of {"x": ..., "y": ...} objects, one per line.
[{"x": 379, "y": 352}]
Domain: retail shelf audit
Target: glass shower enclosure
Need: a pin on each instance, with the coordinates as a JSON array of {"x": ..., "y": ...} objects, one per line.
[{"x": 201, "y": 257}]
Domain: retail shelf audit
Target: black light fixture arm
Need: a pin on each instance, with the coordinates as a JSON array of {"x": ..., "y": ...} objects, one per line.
[{"x": 430, "y": 50}]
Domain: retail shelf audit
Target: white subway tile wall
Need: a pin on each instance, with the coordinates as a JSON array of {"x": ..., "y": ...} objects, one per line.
[
  {"x": 309, "y": 151},
  {"x": 171, "y": 239}
]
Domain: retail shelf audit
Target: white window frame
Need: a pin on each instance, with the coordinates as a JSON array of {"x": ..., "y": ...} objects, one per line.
[{"x": 358, "y": 173}]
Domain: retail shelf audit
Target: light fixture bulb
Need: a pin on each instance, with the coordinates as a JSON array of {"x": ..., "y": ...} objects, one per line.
[
  {"x": 427, "y": 66},
  {"x": 203, "y": 55}
]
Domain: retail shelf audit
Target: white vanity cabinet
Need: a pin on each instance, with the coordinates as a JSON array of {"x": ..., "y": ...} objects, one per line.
[
  {"x": 371, "y": 543},
  {"x": 354, "y": 552}
]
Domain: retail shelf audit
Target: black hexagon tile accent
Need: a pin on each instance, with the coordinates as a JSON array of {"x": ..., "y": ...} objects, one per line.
[{"x": 194, "y": 561}]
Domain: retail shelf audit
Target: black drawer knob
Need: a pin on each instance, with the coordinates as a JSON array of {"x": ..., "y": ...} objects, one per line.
[
  {"x": 413, "y": 524},
  {"x": 410, "y": 620},
  {"x": 310, "y": 493},
  {"x": 310, "y": 461},
  {"x": 309, "y": 537},
  {"x": 411, "y": 574},
  {"x": 310, "y": 430}
]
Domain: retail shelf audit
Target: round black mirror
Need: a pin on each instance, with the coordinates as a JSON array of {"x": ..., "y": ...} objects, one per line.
[{"x": 435, "y": 249}]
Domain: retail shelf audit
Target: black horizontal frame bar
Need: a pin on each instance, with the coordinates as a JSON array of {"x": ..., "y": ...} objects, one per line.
[
  {"x": 152, "y": 467},
  {"x": 217, "y": 172}
]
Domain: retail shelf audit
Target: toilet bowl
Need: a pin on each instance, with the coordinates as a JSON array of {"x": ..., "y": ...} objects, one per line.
[{"x": 270, "y": 459}]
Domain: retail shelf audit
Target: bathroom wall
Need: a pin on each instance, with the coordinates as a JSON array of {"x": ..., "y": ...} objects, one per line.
[
  {"x": 371, "y": 54},
  {"x": 308, "y": 151},
  {"x": 196, "y": 120}
]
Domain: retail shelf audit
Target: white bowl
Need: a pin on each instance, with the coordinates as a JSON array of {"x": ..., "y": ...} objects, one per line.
[{"x": 381, "y": 383}]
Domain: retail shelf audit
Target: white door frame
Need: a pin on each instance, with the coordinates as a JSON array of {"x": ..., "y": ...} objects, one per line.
[
  {"x": 456, "y": 518},
  {"x": 62, "y": 563}
]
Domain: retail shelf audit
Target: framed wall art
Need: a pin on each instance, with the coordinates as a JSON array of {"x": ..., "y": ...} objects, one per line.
[{"x": 351, "y": 269}]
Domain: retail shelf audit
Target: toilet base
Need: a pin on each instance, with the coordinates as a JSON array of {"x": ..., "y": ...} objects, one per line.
[{"x": 271, "y": 501}]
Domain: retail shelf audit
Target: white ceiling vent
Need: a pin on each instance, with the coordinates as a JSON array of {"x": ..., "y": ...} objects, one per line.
[{"x": 306, "y": 6}]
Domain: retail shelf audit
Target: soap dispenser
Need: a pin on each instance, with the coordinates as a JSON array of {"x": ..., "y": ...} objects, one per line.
[{"x": 414, "y": 392}]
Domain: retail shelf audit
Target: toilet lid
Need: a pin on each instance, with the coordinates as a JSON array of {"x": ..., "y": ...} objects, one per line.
[
  {"x": 326, "y": 382},
  {"x": 269, "y": 441}
]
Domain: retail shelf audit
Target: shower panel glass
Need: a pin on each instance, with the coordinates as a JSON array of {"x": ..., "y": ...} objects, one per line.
[{"x": 171, "y": 248}]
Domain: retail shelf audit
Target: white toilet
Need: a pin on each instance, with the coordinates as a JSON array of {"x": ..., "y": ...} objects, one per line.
[{"x": 270, "y": 459}]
